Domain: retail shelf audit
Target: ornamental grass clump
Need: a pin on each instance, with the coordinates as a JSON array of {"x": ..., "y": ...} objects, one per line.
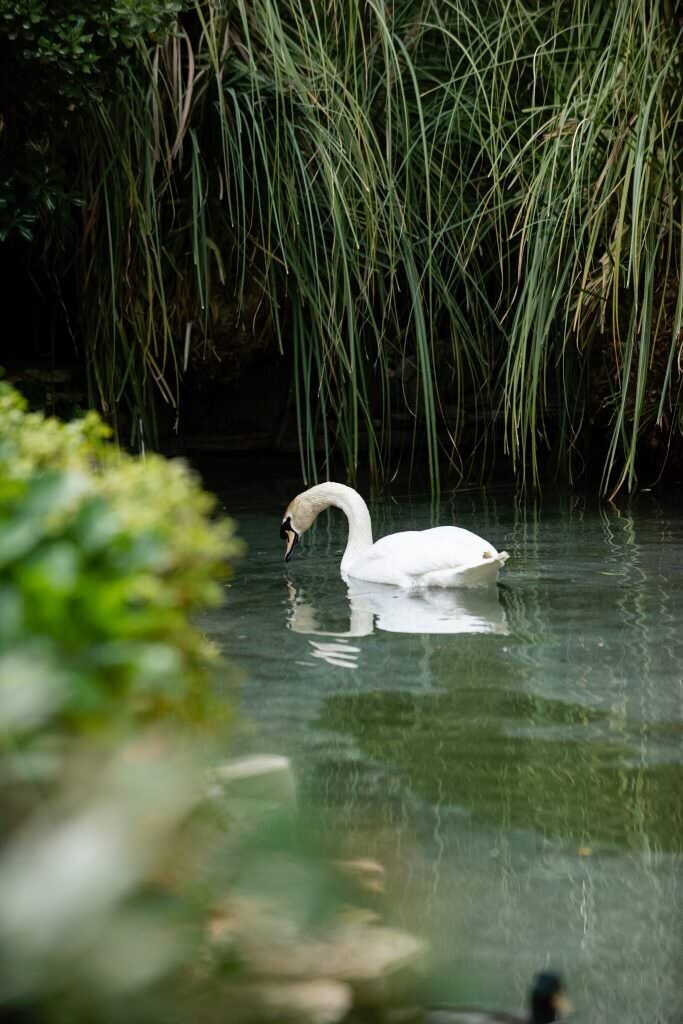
[
  {"x": 455, "y": 227},
  {"x": 460, "y": 224}
]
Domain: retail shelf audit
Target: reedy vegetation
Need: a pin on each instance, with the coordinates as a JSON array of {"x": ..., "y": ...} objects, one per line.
[{"x": 469, "y": 213}]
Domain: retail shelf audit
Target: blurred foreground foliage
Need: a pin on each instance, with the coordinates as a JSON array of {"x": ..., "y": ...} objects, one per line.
[
  {"x": 103, "y": 683},
  {"x": 140, "y": 878}
]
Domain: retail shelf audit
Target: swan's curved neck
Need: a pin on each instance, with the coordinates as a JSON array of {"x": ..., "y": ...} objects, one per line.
[{"x": 356, "y": 511}]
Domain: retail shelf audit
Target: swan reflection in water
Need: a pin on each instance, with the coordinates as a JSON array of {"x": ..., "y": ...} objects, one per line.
[{"x": 376, "y": 606}]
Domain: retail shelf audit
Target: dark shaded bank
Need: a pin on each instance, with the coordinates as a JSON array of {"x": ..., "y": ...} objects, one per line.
[{"x": 238, "y": 414}]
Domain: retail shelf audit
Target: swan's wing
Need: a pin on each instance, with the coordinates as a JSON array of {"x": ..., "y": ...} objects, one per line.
[{"x": 418, "y": 553}]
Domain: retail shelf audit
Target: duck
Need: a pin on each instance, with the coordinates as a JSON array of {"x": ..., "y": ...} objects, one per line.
[
  {"x": 548, "y": 1004},
  {"x": 444, "y": 556}
]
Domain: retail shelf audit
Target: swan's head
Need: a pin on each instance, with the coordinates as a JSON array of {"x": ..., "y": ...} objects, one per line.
[
  {"x": 300, "y": 513},
  {"x": 290, "y": 535}
]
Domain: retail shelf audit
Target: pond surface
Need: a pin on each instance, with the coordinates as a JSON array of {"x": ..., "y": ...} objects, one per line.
[{"x": 515, "y": 758}]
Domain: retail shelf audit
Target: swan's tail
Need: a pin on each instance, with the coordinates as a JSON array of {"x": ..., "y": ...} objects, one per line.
[{"x": 483, "y": 573}]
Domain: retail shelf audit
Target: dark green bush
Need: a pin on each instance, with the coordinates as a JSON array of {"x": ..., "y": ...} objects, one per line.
[{"x": 57, "y": 59}]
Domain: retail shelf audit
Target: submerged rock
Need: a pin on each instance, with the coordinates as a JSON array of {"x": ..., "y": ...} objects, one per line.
[
  {"x": 375, "y": 964},
  {"x": 320, "y": 1001}
]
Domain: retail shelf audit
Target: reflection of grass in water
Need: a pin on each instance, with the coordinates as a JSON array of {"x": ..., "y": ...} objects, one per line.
[{"x": 493, "y": 753}]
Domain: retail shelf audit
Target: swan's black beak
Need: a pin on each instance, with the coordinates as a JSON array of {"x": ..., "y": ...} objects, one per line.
[{"x": 288, "y": 533}]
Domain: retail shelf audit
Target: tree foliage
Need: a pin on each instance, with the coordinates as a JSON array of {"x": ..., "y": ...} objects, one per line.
[{"x": 58, "y": 60}]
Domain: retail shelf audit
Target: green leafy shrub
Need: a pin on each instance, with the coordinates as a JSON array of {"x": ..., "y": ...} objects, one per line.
[
  {"x": 103, "y": 559},
  {"x": 80, "y": 44}
]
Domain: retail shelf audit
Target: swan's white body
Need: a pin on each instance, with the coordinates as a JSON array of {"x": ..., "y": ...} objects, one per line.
[{"x": 446, "y": 556}]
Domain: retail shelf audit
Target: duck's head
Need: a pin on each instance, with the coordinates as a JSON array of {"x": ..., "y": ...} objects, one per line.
[
  {"x": 299, "y": 515},
  {"x": 549, "y": 1000}
]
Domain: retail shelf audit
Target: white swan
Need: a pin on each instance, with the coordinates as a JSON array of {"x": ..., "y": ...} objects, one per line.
[{"x": 446, "y": 556}]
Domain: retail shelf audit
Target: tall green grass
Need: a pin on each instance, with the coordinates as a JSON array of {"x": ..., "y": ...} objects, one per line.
[
  {"x": 598, "y": 232},
  {"x": 463, "y": 220}
]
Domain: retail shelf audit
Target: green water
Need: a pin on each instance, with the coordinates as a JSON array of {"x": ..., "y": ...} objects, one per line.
[{"x": 514, "y": 758}]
